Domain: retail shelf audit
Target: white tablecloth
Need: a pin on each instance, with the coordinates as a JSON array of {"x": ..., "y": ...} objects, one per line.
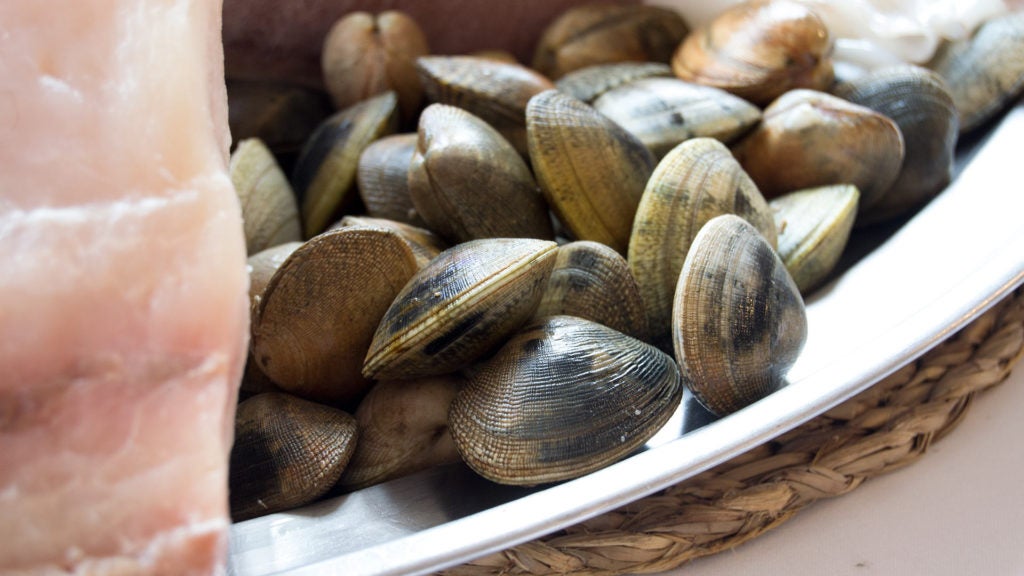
[{"x": 958, "y": 510}]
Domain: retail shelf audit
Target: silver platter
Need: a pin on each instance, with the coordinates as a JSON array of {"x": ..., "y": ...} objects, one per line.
[{"x": 901, "y": 291}]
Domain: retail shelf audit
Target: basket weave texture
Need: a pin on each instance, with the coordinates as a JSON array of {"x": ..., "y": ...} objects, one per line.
[{"x": 888, "y": 426}]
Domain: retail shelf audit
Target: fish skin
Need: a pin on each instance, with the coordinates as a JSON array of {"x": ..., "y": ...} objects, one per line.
[{"x": 123, "y": 290}]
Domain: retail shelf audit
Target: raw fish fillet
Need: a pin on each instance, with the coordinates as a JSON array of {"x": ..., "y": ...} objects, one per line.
[{"x": 123, "y": 308}]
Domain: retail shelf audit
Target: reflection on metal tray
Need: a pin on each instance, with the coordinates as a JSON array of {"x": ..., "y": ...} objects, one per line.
[{"x": 901, "y": 291}]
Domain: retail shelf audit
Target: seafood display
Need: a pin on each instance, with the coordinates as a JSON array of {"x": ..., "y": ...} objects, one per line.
[{"x": 632, "y": 214}]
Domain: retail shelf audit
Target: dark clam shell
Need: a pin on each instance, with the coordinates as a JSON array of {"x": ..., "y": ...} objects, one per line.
[{"x": 564, "y": 397}]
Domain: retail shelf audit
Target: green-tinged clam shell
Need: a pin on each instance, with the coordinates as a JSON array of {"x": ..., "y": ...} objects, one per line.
[
  {"x": 986, "y": 71},
  {"x": 662, "y": 112},
  {"x": 562, "y": 398},
  {"x": 696, "y": 181},
  {"x": 462, "y": 305},
  {"x": 592, "y": 281},
  {"x": 738, "y": 321},
  {"x": 586, "y": 84},
  {"x": 814, "y": 227},
  {"x": 591, "y": 170},
  {"x": 269, "y": 213},
  {"x": 325, "y": 170}
]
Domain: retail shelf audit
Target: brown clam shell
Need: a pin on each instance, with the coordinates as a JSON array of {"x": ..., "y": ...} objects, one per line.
[
  {"x": 382, "y": 178},
  {"x": 316, "y": 317},
  {"x": 604, "y": 33},
  {"x": 919, "y": 102},
  {"x": 403, "y": 428},
  {"x": 467, "y": 182},
  {"x": 287, "y": 453},
  {"x": 758, "y": 51},
  {"x": 808, "y": 139},
  {"x": 496, "y": 92}
]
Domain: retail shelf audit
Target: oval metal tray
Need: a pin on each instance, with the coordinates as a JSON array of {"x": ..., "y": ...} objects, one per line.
[{"x": 901, "y": 291}]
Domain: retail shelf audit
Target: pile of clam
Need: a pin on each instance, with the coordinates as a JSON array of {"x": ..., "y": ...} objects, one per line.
[{"x": 523, "y": 267}]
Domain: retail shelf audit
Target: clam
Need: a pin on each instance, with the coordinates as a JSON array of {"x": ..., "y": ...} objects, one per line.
[
  {"x": 367, "y": 54},
  {"x": 425, "y": 245},
  {"x": 462, "y": 305},
  {"x": 325, "y": 169},
  {"x": 269, "y": 213},
  {"x": 591, "y": 170},
  {"x": 808, "y": 139},
  {"x": 662, "y": 112},
  {"x": 592, "y": 281},
  {"x": 604, "y": 33},
  {"x": 467, "y": 182},
  {"x": 287, "y": 453},
  {"x": 382, "y": 178},
  {"x": 696, "y": 181},
  {"x": 263, "y": 265},
  {"x": 920, "y": 104},
  {"x": 281, "y": 115},
  {"x": 314, "y": 322},
  {"x": 586, "y": 84},
  {"x": 738, "y": 321},
  {"x": 403, "y": 428},
  {"x": 496, "y": 92},
  {"x": 759, "y": 50},
  {"x": 562, "y": 398},
  {"x": 986, "y": 71},
  {"x": 814, "y": 227}
]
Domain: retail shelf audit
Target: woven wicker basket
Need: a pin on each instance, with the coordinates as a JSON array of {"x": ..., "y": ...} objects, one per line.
[{"x": 888, "y": 426}]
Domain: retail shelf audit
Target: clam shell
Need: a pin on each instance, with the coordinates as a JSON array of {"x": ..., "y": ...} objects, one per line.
[
  {"x": 269, "y": 213},
  {"x": 316, "y": 318},
  {"x": 586, "y": 84},
  {"x": 920, "y": 104},
  {"x": 662, "y": 112},
  {"x": 496, "y": 92},
  {"x": 263, "y": 265},
  {"x": 467, "y": 182},
  {"x": 758, "y": 51},
  {"x": 462, "y": 305},
  {"x": 425, "y": 245},
  {"x": 287, "y": 453},
  {"x": 814, "y": 227},
  {"x": 367, "y": 54},
  {"x": 403, "y": 428},
  {"x": 564, "y": 397},
  {"x": 591, "y": 170},
  {"x": 738, "y": 318},
  {"x": 325, "y": 170},
  {"x": 695, "y": 182},
  {"x": 985, "y": 72},
  {"x": 382, "y": 178},
  {"x": 604, "y": 33},
  {"x": 808, "y": 139},
  {"x": 592, "y": 281}
]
